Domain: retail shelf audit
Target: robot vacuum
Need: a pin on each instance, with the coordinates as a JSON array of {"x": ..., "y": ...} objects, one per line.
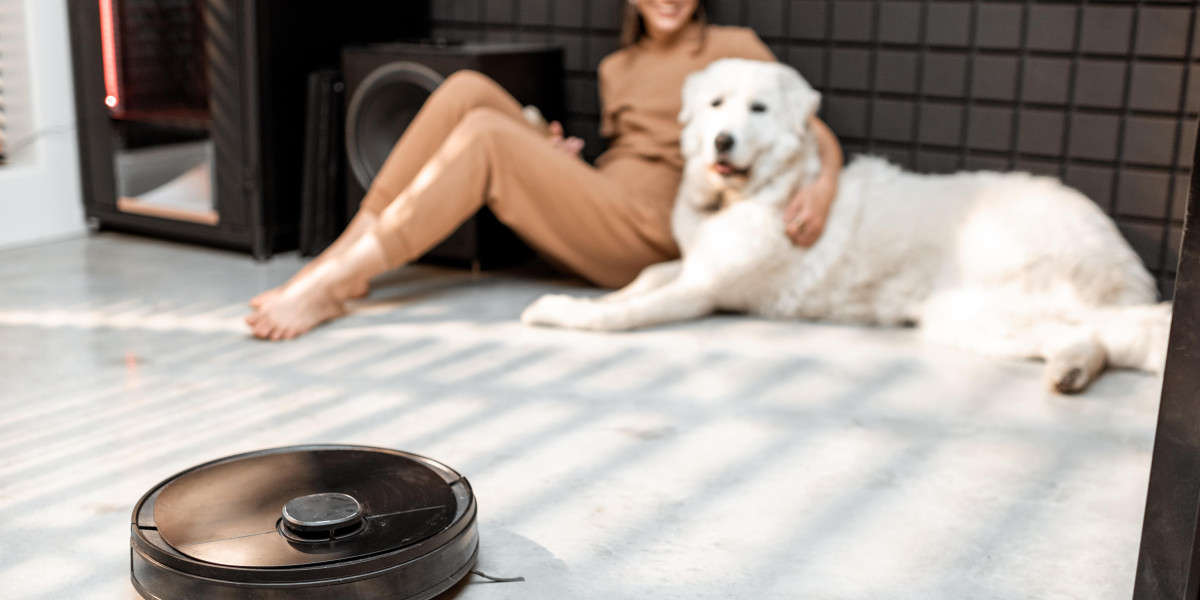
[{"x": 306, "y": 522}]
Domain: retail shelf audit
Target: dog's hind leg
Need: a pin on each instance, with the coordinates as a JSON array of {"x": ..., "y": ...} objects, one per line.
[
  {"x": 651, "y": 278},
  {"x": 994, "y": 324},
  {"x": 675, "y": 301},
  {"x": 1135, "y": 337}
]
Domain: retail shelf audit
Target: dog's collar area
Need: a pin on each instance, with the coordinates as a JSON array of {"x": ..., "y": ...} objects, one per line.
[{"x": 715, "y": 203}]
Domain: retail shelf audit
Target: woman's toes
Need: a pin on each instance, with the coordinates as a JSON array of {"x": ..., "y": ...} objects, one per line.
[
  {"x": 261, "y": 299},
  {"x": 261, "y": 326}
]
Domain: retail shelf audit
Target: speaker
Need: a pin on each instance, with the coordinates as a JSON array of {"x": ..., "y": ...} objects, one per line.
[
  {"x": 191, "y": 113},
  {"x": 386, "y": 84}
]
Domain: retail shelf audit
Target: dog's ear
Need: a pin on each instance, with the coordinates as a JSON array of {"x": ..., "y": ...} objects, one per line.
[
  {"x": 692, "y": 88},
  {"x": 801, "y": 99}
]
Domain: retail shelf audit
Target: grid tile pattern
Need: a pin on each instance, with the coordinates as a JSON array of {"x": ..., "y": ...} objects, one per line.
[{"x": 1102, "y": 93}]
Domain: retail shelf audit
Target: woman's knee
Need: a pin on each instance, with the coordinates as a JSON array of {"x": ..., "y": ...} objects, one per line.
[
  {"x": 472, "y": 88},
  {"x": 485, "y": 122}
]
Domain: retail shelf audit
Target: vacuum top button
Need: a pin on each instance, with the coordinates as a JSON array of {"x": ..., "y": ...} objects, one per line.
[{"x": 322, "y": 512}]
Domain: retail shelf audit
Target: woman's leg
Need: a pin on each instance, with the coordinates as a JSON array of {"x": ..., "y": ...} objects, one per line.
[
  {"x": 458, "y": 95},
  {"x": 594, "y": 225}
]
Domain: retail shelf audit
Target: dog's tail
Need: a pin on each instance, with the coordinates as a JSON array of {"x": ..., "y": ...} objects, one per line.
[{"x": 1134, "y": 337}]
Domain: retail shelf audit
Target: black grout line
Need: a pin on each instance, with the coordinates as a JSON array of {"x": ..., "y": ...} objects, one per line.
[
  {"x": 790, "y": 41},
  {"x": 829, "y": 46},
  {"x": 989, "y": 51},
  {"x": 1072, "y": 75},
  {"x": 1034, "y": 156},
  {"x": 1123, "y": 123},
  {"x": 919, "y": 98},
  {"x": 872, "y": 76},
  {"x": 1014, "y": 139},
  {"x": 969, "y": 81},
  {"x": 786, "y": 15},
  {"x": 919, "y": 104}
]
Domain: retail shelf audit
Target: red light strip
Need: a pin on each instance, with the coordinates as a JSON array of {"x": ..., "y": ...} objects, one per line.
[{"x": 108, "y": 40}]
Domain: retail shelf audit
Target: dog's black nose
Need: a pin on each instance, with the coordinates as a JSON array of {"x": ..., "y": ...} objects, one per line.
[{"x": 724, "y": 142}]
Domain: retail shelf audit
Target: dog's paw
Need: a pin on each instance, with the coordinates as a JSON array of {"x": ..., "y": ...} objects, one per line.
[
  {"x": 1073, "y": 361},
  {"x": 1070, "y": 376},
  {"x": 556, "y": 310}
]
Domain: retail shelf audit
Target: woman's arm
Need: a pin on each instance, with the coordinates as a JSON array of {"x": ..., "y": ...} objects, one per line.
[{"x": 804, "y": 218}]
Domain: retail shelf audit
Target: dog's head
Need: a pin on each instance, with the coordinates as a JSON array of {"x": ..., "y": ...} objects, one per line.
[{"x": 739, "y": 115}]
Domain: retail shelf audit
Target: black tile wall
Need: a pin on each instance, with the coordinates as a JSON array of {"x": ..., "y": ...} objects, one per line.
[
  {"x": 1102, "y": 93},
  {"x": 998, "y": 26},
  {"x": 945, "y": 74},
  {"x": 994, "y": 78},
  {"x": 947, "y": 23},
  {"x": 900, "y": 22},
  {"x": 1106, "y": 29},
  {"x": 1041, "y": 132},
  {"x": 1051, "y": 27},
  {"x": 849, "y": 69},
  {"x": 1046, "y": 80},
  {"x": 853, "y": 20},
  {"x": 807, "y": 19},
  {"x": 896, "y": 71}
]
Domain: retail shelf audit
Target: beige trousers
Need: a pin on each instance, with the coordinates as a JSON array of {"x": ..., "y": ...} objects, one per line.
[{"x": 470, "y": 146}]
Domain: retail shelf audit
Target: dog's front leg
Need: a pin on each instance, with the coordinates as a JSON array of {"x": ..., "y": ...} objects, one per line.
[
  {"x": 651, "y": 278},
  {"x": 678, "y": 300}
]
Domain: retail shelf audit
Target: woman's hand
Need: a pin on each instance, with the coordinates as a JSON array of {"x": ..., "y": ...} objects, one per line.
[
  {"x": 571, "y": 146},
  {"x": 804, "y": 217}
]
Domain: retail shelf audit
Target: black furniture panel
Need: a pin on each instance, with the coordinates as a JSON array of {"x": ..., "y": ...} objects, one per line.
[
  {"x": 247, "y": 118},
  {"x": 1169, "y": 559}
]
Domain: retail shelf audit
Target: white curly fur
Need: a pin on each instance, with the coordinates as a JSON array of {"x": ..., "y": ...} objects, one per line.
[{"x": 1006, "y": 264}]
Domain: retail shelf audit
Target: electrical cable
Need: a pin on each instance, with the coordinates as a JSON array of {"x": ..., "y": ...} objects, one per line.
[{"x": 28, "y": 140}]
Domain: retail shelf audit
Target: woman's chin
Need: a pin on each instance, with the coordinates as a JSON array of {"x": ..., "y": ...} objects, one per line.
[{"x": 669, "y": 26}]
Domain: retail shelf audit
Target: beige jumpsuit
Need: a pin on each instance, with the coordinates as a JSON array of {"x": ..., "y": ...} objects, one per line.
[{"x": 470, "y": 145}]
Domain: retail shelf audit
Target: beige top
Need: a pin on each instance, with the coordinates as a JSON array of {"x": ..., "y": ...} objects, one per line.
[{"x": 640, "y": 90}]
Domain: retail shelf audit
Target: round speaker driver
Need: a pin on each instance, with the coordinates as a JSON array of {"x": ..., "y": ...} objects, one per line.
[
  {"x": 311, "y": 522},
  {"x": 381, "y": 110}
]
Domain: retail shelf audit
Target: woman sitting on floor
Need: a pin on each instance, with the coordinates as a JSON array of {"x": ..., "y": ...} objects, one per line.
[{"x": 470, "y": 145}]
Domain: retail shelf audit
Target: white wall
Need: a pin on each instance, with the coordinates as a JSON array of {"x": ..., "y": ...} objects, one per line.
[{"x": 40, "y": 198}]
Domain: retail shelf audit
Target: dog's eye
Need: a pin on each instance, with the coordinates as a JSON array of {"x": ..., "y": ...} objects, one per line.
[
  {"x": 717, "y": 102},
  {"x": 758, "y": 107}
]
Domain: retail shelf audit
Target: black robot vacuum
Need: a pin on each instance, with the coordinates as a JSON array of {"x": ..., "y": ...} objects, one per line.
[{"x": 306, "y": 522}]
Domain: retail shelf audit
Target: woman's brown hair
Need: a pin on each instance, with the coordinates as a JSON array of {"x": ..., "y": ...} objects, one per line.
[{"x": 633, "y": 28}]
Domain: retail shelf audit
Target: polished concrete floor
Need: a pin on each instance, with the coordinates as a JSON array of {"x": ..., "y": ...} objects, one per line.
[{"x": 727, "y": 458}]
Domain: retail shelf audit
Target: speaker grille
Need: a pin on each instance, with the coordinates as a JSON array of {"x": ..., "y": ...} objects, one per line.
[{"x": 380, "y": 111}]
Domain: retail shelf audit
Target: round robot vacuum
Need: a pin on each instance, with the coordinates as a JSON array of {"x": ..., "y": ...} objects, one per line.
[{"x": 306, "y": 522}]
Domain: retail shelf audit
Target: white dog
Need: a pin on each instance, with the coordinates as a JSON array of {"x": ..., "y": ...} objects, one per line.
[{"x": 1003, "y": 264}]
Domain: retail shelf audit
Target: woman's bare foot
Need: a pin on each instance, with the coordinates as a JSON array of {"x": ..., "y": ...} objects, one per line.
[
  {"x": 294, "y": 311},
  {"x": 362, "y": 223},
  {"x": 318, "y": 295},
  {"x": 258, "y": 301}
]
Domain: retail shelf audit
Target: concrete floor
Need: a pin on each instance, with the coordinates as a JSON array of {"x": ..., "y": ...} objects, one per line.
[{"x": 727, "y": 458}]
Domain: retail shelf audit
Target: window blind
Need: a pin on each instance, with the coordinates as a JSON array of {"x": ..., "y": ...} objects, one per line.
[
  {"x": 3, "y": 129},
  {"x": 16, "y": 110}
]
